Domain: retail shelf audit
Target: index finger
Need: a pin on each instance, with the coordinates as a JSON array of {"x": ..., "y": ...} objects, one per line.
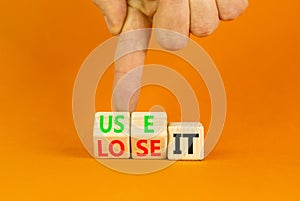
[{"x": 126, "y": 95}]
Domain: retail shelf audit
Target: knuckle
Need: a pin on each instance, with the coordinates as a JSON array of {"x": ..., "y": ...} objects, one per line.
[
  {"x": 206, "y": 29},
  {"x": 173, "y": 44},
  {"x": 231, "y": 12},
  {"x": 114, "y": 30},
  {"x": 171, "y": 41}
]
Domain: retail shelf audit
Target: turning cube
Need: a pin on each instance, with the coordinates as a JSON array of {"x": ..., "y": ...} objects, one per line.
[
  {"x": 111, "y": 135},
  {"x": 149, "y": 135},
  {"x": 186, "y": 141}
]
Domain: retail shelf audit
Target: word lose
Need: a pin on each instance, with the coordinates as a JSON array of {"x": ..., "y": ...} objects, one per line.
[{"x": 146, "y": 135}]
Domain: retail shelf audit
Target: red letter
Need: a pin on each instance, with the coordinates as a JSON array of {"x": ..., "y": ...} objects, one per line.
[
  {"x": 100, "y": 149},
  {"x": 139, "y": 145},
  {"x": 153, "y": 147},
  {"x": 112, "y": 151}
]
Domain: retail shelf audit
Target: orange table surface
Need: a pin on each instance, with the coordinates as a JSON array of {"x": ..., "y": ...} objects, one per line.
[{"x": 42, "y": 46}]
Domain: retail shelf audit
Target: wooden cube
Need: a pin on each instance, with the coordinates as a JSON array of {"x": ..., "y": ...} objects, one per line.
[
  {"x": 149, "y": 135},
  {"x": 186, "y": 141},
  {"x": 111, "y": 135}
]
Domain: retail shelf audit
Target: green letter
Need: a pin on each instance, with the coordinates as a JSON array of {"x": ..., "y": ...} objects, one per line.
[
  {"x": 147, "y": 123},
  {"x": 109, "y": 124},
  {"x": 120, "y": 124}
]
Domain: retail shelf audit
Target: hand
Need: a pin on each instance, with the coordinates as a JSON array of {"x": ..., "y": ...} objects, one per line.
[{"x": 199, "y": 17}]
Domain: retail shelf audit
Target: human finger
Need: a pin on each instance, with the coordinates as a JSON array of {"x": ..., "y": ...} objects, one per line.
[
  {"x": 204, "y": 17},
  {"x": 114, "y": 12},
  {"x": 135, "y": 37},
  {"x": 231, "y": 9},
  {"x": 172, "y": 22}
]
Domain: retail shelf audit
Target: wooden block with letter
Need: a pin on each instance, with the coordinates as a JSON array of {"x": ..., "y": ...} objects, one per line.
[
  {"x": 149, "y": 135},
  {"x": 186, "y": 141},
  {"x": 111, "y": 135}
]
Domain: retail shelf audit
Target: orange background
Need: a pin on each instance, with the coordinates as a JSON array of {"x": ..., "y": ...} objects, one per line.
[{"x": 42, "y": 46}]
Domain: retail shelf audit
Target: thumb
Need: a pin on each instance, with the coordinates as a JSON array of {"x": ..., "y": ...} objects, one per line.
[
  {"x": 114, "y": 12},
  {"x": 130, "y": 54}
]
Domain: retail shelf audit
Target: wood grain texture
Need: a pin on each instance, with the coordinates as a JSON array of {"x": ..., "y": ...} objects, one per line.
[
  {"x": 186, "y": 141},
  {"x": 111, "y": 135},
  {"x": 149, "y": 135}
]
